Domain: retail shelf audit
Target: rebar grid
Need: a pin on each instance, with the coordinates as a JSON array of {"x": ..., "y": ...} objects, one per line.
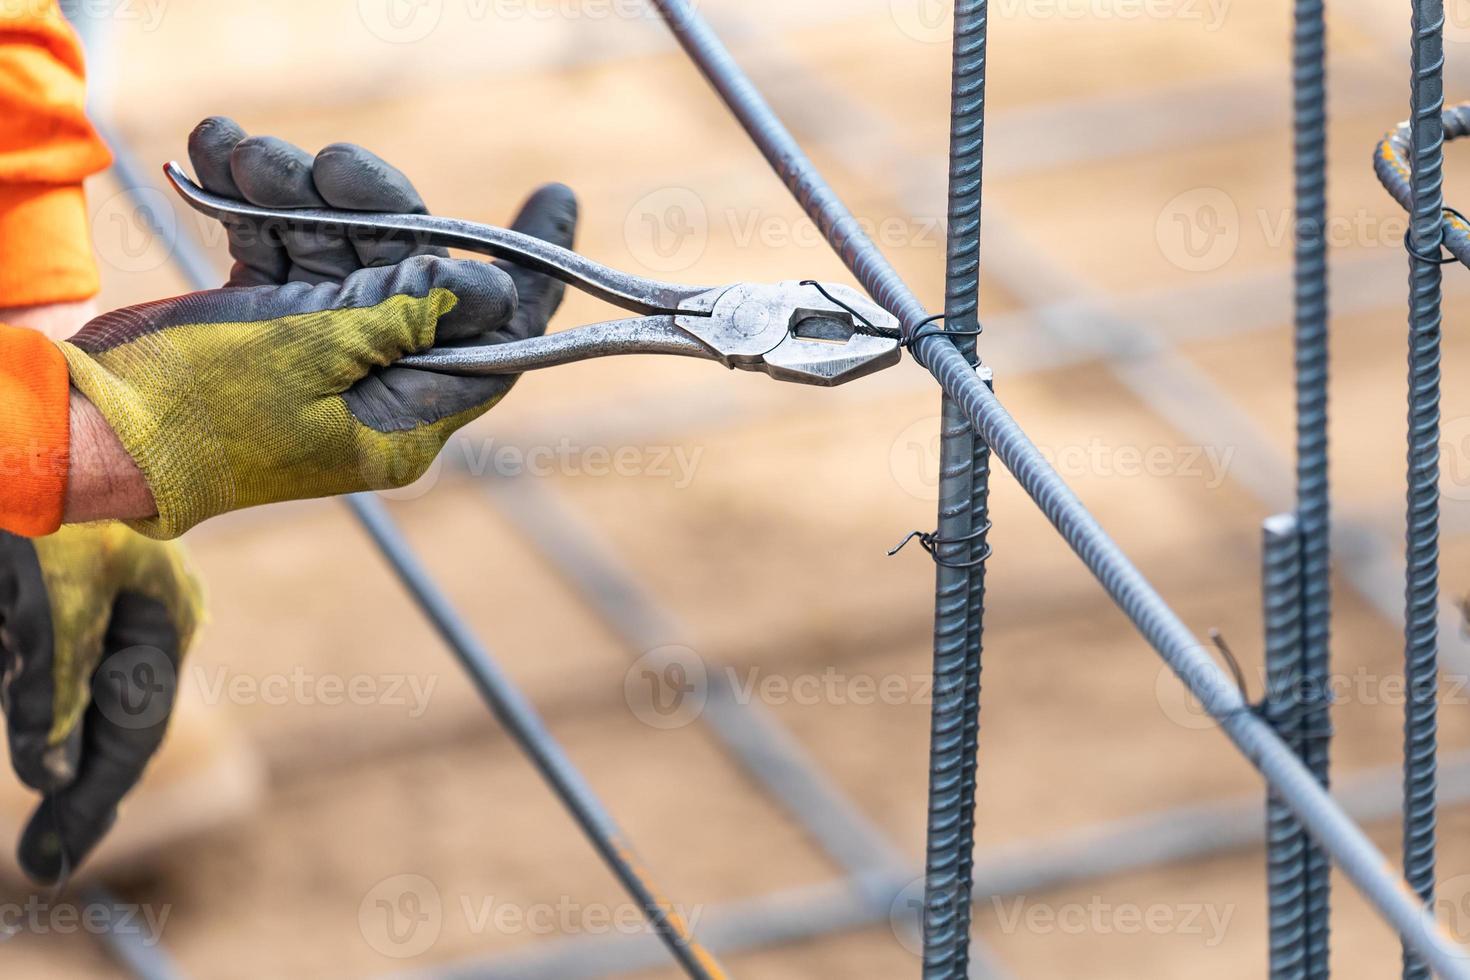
[
  {"x": 1309, "y": 154},
  {"x": 941, "y": 359},
  {"x": 1158, "y": 623},
  {"x": 959, "y": 574},
  {"x": 1421, "y": 582},
  {"x": 1286, "y": 843}
]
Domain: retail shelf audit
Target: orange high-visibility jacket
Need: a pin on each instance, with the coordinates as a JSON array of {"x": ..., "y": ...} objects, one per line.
[{"x": 46, "y": 148}]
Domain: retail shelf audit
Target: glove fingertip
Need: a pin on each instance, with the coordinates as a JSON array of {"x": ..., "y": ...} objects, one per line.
[
  {"x": 550, "y": 213},
  {"x": 356, "y": 179},
  {"x": 485, "y": 297},
  {"x": 210, "y": 145}
]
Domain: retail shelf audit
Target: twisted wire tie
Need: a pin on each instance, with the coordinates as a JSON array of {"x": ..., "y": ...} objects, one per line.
[
  {"x": 871, "y": 328},
  {"x": 1282, "y": 719},
  {"x": 932, "y": 542},
  {"x": 1437, "y": 259}
]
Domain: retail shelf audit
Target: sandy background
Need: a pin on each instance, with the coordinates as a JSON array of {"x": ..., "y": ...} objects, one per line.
[{"x": 1136, "y": 295}]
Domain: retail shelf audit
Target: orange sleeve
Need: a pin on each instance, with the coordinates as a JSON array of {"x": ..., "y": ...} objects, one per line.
[
  {"x": 35, "y": 432},
  {"x": 47, "y": 147}
]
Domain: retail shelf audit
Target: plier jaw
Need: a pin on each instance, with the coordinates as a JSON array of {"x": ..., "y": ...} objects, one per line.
[{"x": 794, "y": 331}]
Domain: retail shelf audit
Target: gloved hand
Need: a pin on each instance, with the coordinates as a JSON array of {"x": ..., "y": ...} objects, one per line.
[
  {"x": 94, "y": 622},
  {"x": 286, "y": 388}
]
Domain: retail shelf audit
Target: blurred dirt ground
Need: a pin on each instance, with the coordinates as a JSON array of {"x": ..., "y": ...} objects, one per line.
[{"x": 1136, "y": 291}]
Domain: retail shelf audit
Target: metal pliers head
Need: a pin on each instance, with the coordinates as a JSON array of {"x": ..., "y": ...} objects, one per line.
[{"x": 806, "y": 332}]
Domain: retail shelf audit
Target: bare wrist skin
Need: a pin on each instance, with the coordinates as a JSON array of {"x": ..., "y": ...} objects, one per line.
[
  {"x": 57, "y": 321},
  {"x": 103, "y": 482}
]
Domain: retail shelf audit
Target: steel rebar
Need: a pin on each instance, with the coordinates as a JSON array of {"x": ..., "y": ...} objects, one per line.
[
  {"x": 1286, "y": 842},
  {"x": 1421, "y": 581},
  {"x": 1309, "y": 156},
  {"x": 959, "y": 579},
  {"x": 1158, "y": 623}
]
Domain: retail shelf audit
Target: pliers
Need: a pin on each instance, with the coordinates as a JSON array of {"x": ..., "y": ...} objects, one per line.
[{"x": 802, "y": 331}]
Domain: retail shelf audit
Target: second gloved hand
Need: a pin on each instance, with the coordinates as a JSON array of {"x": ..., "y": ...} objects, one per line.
[{"x": 231, "y": 398}]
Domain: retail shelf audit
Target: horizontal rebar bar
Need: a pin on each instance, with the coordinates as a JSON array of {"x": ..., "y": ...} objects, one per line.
[{"x": 1158, "y": 623}]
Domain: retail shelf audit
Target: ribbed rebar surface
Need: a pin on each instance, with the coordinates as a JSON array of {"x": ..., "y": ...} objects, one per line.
[
  {"x": 959, "y": 590},
  {"x": 1421, "y": 585},
  {"x": 1309, "y": 98},
  {"x": 1153, "y": 618},
  {"x": 1286, "y": 842}
]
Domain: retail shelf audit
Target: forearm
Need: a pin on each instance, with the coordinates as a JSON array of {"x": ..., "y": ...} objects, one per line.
[{"x": 103, "y": 481}]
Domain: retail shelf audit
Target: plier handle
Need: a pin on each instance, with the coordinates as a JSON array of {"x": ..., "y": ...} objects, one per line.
[{"x": 806, "y": 332}]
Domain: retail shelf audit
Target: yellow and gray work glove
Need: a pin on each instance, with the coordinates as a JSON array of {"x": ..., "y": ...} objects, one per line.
[
  {"x": 94, "y": 622},
  {"x": 287, "y": 389}
]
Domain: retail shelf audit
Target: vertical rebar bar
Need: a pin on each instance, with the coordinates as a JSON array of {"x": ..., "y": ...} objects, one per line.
[
  {"x": 963, "y": 502},
  {"x": 1309, "y": 110},
  {"x": 1286, "y": 842},
  {"x": 1421, "y": 580}
]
